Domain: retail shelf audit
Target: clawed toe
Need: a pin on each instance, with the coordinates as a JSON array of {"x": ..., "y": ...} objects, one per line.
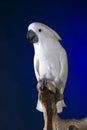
[
  {"x": 51, "y": 87},
  {"x": 42, "y": 84}
]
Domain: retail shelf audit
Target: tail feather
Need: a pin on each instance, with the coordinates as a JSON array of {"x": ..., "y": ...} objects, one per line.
[
  {"x": 59, "y": 105},
  {"x": 39, "y": 106}
]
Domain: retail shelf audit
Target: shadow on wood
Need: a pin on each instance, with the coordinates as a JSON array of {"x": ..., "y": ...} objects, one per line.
[{"x": 51, "y": 118}]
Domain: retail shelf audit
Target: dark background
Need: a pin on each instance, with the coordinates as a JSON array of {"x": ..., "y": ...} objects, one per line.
[{"x": 18, "y": 94}]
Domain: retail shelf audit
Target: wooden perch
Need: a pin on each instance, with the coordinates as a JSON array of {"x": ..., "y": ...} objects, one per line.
[{"x": 51, "y": 118}]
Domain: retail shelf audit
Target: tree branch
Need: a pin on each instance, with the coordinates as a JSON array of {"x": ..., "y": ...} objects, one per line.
[{"x": 51, "y": 119}]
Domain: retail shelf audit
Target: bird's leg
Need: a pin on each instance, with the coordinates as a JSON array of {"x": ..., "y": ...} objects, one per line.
[
  {"x": 58, "y": 95},
  {"x": 44, "y": 83}
]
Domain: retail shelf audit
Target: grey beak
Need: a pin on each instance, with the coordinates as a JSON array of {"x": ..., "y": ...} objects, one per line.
[{"x": 32, "y": 37}]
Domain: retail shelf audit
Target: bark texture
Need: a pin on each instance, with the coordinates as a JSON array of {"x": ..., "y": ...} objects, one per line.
[{"x": 52, "y": 121}]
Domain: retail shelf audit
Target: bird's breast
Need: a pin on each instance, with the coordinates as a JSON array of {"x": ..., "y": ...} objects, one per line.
[
  {"x": 49, "y": 68},
  {"x": 46, "y": 69}
]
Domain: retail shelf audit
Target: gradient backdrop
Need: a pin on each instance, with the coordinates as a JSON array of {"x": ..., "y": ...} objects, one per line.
[{"x": 18, "y": 94}]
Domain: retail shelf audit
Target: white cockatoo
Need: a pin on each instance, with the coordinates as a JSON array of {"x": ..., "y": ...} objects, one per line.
[{"x": 50, "y": 59}]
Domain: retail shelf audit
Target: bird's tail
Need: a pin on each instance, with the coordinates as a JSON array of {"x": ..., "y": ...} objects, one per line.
[
  {"x": 59, "y": 105},
  {"x": 39, "y": 106}
]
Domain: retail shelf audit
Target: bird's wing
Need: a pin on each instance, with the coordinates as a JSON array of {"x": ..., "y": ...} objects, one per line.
[
  {"x": 63, "y": 66},
  {"x": 36, "y": 67}
]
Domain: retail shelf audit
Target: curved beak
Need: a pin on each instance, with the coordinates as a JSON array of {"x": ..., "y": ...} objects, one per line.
[{"x": 32, "y": 37}]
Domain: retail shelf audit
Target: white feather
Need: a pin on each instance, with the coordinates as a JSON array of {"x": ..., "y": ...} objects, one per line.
[{"x": 50, "y": 60}]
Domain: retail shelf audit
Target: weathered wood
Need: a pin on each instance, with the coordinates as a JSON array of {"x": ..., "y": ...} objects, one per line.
[{"x": 51, "y": 119}]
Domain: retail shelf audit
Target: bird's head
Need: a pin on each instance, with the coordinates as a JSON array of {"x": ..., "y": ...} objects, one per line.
[{"x": 38, "y": 32}]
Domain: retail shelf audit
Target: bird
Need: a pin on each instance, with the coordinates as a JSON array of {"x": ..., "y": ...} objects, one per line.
[{"x": 50, "y": 59}]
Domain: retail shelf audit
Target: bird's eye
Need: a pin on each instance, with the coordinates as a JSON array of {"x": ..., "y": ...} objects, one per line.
[{"x": 39, "y": 30}]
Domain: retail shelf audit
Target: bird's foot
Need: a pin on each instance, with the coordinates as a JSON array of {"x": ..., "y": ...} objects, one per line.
[
  {"x": 51, "y": 87},
  {"x": 58, "y": 95},
  {"x": 47, "y": 84},
  {"x": 44, "y": 83}
]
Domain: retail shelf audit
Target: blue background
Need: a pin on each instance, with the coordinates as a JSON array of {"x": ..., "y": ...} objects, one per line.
[{"x": 18, "y": 94}]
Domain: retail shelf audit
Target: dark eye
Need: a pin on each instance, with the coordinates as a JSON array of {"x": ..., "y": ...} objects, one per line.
[{"x": 39, "y": 30}]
